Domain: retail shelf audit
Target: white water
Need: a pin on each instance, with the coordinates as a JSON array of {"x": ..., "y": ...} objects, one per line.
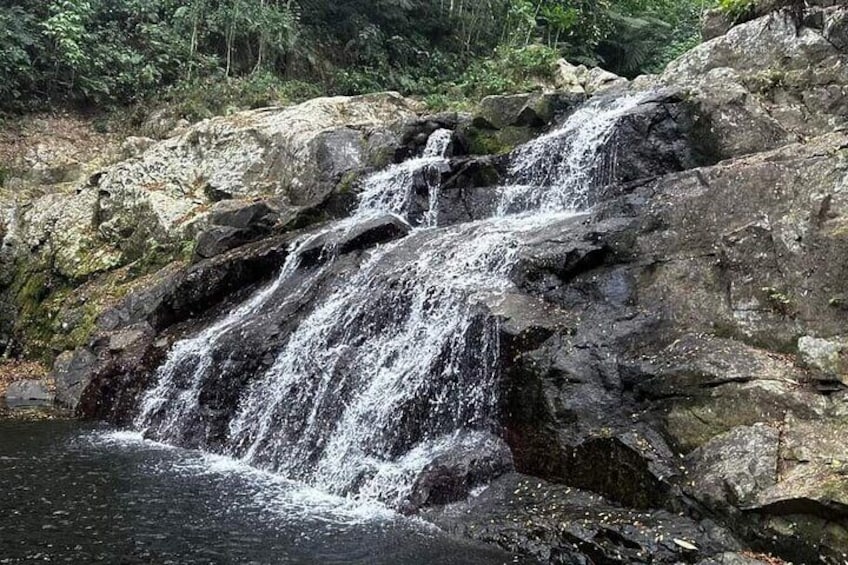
[
  {"x": 393, "y": 362},
  {"x": 166, "y": 407},
  {"x": 566, "y": 162}
]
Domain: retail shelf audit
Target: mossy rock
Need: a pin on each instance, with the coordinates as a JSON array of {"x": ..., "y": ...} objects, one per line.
[
  {"x": 692, "y": 422},
  {"x": 497, "y": 142}
]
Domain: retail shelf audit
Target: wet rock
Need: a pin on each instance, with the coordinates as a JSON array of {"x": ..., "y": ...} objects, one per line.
[
  {"x": 465, "y": 190},
  {"x": 185, "y": 292},
  {"x": 417, "y": 132},
  {"x": 656, "y": 335},
  {"x": 235, "y": 223},
  {"x": 661, "y": 136},
  {"x": 72, "y": 372},
  {"x": 121, "y": 360},
  {"x": 471, "y": 461},
  {"x": 557, "y": 524},
  {"x": 648, "y": 346},
  {"x": 361, "y": 236}
]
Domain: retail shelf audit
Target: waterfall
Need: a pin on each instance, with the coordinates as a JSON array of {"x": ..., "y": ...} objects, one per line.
[
  {"x": 390, "y": 190},
  {"x": 568, "y": 162},
  {"x": 398, "y": 361}
]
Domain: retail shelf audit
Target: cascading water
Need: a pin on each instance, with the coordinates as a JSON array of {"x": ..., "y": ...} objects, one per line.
[{"x": 398, "y": 361}]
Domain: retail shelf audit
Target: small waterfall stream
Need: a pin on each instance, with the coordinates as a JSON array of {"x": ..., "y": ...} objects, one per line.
[{"x": 398, "y": 361}]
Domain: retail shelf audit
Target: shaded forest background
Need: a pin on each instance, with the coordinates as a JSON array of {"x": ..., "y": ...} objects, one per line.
[{"x": 206, "y": 55}]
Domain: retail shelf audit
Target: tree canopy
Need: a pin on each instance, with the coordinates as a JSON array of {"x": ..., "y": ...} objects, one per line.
[{"x": 120, "y": 51}]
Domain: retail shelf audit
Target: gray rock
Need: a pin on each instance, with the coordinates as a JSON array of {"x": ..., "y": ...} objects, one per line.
[
  {"x": 557, "y": 524},
  {"x": 295, "y": 154},
  {"x": 30, "y": 392},
  {"x": 766, "y": 83},
  {"x": 599, "y": 81},
  {"x": 829, "y": 357},
  {"x": 72, "y": 372},
  {"x": 134, "y": 146},
  {"x": 531, "y": 110},
  {"x": 836, "y": 29},
  {"x": 361, "y": 236},
  {"x": 570, "y": 78},
  {"x": 735, "y": 468},
  {"x": 234, "y": 223}
]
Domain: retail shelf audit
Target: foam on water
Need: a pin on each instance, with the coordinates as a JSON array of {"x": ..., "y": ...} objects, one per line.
[{"x": 272, "y": 492}]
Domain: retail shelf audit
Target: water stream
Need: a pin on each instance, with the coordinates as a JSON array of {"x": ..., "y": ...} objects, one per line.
[{"x": 395, "y": 362}]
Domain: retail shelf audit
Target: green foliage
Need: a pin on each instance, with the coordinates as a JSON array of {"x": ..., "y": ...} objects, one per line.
[
  {"x": 18, "y": 37},
  {"x": 211, "y": 96},
  {"x": 510, "y": 69},
  {"x": 210, "y": 55},
  {"x": 647, "y": 34},
  {"x": 735, "y": 8}
]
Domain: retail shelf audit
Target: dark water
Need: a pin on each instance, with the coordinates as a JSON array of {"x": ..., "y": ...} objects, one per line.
[{"x": 74, "y": 494}]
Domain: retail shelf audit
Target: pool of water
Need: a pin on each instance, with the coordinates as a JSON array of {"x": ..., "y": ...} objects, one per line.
[{"x": 76, "y": 493}]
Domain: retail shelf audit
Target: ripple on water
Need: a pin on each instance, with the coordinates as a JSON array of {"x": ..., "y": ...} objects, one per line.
[
  {"x": 95, "y": 496},
  {"x": 270, "y": 492}
]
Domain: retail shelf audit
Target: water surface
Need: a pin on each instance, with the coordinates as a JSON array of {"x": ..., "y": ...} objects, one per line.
[{"x": 74, "y": 493}]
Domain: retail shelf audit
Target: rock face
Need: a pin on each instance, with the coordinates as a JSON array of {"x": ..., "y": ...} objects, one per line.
[
  {"x": 769, "y": 81},
  {"x": 297, "y": 154},
  {"x": 72, "y": 250},
  {"x": 688, "y": 342}
]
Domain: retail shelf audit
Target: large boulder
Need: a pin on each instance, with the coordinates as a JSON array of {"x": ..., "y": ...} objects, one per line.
[
  {"x": 28, "y": 392},
  {"x": 768, "y": 82},
  {"x": 578, "y": 79},
  {"x": 298, "y": 154},
  {"x": 470, "y": 461},
  {"x": 233, "y": 223},
  {"x": 524, "y": 110}
]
